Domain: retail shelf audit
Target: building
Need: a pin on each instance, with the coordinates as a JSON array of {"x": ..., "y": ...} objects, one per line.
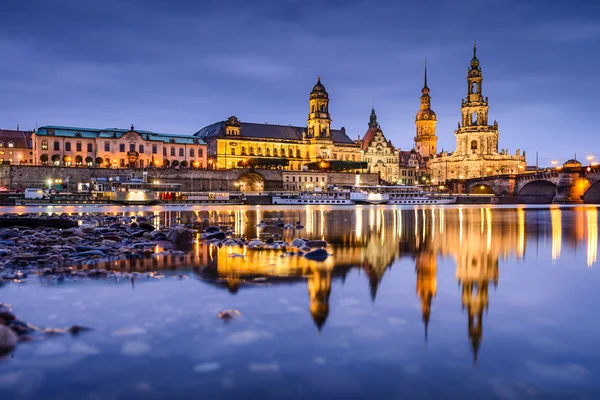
[
  {"x": 412, "y": 168},
  {"x": 305, "y": 180},
  {"x": 379, "y": 153},
  {"x": 115, "y": 148},
  {"x": 425, "y": 120},
  {"x": 476, "y": 151},
  {"x": 15, "y": 147},
  {"x": 236, "y": 144}
]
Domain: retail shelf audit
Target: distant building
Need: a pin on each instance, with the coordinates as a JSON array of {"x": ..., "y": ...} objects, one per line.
[
  {"x": 477, "y": 151},
  {"x": 115, "y": 148},
  {"x": 412, "y": 168},
  {"x": 233, "y": 144},
  {"x": 379, "y": 153},
  {"x": 15, "y": 147}
]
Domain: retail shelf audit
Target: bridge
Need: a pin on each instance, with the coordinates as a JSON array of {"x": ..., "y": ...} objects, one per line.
[{"x": 566, "y": 185}]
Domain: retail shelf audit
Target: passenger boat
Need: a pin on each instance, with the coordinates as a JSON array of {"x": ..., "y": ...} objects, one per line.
[
  {"x": 339, "y": 198},
  {"x": 410, "y": 195},
  {"x": 368, "y": 195}
]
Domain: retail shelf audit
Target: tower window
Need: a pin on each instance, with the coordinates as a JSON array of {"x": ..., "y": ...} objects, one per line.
[
  {"x": 474, "y": 145},
  {"x": 313, "y": 108},
  {"x": 474, "y": 119},
  {"x": 474, "y": 88}
]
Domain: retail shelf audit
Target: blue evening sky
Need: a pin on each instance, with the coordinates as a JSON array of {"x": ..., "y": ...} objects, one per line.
[{"x": 176, "y": 66}]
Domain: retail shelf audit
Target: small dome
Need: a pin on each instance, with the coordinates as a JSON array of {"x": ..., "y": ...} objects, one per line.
[
  {"x": 319, "y": 87},
  {"x": 426, "y": 115},
  {"x": 572, "y": 163}
]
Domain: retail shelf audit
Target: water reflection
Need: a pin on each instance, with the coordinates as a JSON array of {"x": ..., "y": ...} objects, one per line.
[{"x": 371, "y": 239}]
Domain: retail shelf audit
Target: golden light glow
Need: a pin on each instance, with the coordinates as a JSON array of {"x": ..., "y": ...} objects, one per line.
[
  {"x": 521, "y": 240},
  {"x": 592, "y": 235},
  {"x": 556, "y": 221}
]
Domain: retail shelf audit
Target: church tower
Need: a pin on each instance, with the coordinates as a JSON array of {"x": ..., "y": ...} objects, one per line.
[
  {"x": 425, "y": 141},
  {"x": 319, "y": 120},
  {"x": 474, "y": 136}
]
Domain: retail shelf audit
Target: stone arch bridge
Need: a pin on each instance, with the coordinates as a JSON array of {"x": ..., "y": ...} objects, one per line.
[{"x": 572, "y": 185}]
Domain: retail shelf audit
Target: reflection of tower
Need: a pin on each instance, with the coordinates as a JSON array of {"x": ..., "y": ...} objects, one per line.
[
  {"x": 426, "y": 268},
  {"x": 319, "y": 289},
  {"x": 474, "y": 277}
]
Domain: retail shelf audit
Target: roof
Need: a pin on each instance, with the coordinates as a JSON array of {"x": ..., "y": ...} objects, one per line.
[
  {"x": 370, "y": 135},
  {"x": 116, "y": 133},
  {"x": 268, "y": 131},
  {"x": 19, "y": 138},
  {"x": 407, "y": 155}
]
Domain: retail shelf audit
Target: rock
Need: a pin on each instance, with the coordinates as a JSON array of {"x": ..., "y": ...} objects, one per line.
[
  {"x": 146, "y": 226},
  {"x": 288, "y": 226},
  {"x": 134, "y": 225},
  {"x": 316, "y": 243},
  {"x": 317, "y": 255},
  {"x": 181, "y": 235},
  {"x": 91, "y": 253},
  {"x": 212, "y": 229},
  {"x": 87, "y": 229},
  {"x": 230, "y": 243},
  {"x": 8, "y": 233},
  {"x": 228, "y": 315},
  {"x": 298, "y": 243},
  {"x": 8, "y": 338},
  {"x": 72, "y": 231},
  {"x": 216, "y": 235}
]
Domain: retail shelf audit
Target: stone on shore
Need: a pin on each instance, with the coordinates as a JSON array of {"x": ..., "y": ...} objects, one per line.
[
  {"x": 8, "y": 339},
  {"x": 317, "y": 255}
]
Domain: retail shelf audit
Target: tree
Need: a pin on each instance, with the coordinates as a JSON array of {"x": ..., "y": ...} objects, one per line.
[
  {"x": 55, "y": 158},
  {"x": 99, "y": 160},
  {"x": 44, "y": 158},
  {"x": 175, "y": 163},
  {"x": 184, "y": 163},
  {"x": 166, "y": 163},
  {"x": 78, "y": 160}
]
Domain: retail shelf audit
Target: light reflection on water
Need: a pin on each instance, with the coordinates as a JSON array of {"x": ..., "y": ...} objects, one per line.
[{"x": 399, "y": 280}]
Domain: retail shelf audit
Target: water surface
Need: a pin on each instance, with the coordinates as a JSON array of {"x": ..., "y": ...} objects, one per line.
[{"x": 438, "y": 302}]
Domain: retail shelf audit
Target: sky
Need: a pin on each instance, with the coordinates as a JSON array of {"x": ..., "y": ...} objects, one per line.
[{"x": 175, "y": 66}]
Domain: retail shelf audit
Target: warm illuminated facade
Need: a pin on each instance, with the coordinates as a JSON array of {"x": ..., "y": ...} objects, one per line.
[
  {"x": 232, "y": 143},
  {"x": 425, "y": 120},
  {"x": 379, "y": 153},
  {"x": 477, "y": 151},
  {"x": 15, "y": 147},
  {"x": 115, "y": 148}
]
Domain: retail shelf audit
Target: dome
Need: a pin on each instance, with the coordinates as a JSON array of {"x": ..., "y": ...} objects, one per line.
[
  {"x": 319, "y": 87},
  {"x": 572, "y": 163},
  {"x": 474, "y": 60},
  {"x": 426, "y": 115}
]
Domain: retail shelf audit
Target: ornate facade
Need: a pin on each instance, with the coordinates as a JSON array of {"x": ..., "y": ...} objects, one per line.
[
  {"x": 233, "y": 144},
  {"x": 425, "y": 140},
  {"x": 379, "y": 153},
  {"x": 477, "y": 151},
  {"x": 115, "y": 148}
]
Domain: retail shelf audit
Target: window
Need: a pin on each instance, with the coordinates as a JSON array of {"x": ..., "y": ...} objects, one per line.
[
  {"x": 474, "y": 119},
  {"x": 269, "y": 152},
  {"x": 90, "y": 147},
  {"x": 2, "y": 144},
  {"x": 141, "y": 148},
  {"x": 154, "y": 149},
  {"x": 122, "y": 161},
  {"x": 56, "y": 145},
  {"x": 298, "y": 154},
  {"x": 251, "y": 151},
  {"x": 164, "y": 151},
  {"x": 122, "y": 147},
  {"x": 233, "y": 151},
  {"x": 78, "y": 146},
  {"x": 173, "y": 151},
  {"x": 335, "y": 156},
  {"x": 44, "y": 145},
  {"x": 474, "y": 145},
  {"x": 132, "y": 147},
  {"x": 11, "y": 144},
  {"x": 192, "y": 153},
  {"x": 106, "y": 146},
  {"x": 313, "y": 108},
  {"x": 275, "y": 153},
  {"x": 260, "y": 151},
  {"x": 243, "y": 150},
  {"x": 200, "y": 152},
  {"x": 181, "y": 153}
]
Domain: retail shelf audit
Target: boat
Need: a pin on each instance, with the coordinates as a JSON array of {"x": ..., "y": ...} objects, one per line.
[
  {"x": 338, "y": 198},
  {"x": 410, "y": 195},
  {"x": 368, "y": 195}
]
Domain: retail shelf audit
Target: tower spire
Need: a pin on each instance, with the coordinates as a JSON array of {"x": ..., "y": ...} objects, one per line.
[
  {"x": 425, "y": 85},
  {"x": 373, "y": 119}
]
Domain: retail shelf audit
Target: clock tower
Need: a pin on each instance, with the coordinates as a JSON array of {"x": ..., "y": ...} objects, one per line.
[{"x": 426, "y": 140}]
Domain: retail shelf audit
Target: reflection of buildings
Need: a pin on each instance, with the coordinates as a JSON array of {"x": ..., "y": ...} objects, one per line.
[
  {"x": 426, "y": 268},
  {"x": 319, "y": 289}
]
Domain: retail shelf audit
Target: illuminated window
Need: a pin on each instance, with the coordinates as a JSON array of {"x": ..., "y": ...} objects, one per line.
[{"x": 11, "y": 144}]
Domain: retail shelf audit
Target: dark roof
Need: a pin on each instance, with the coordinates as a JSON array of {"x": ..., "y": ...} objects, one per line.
[
  {"x": 268, "y": 131},
  {"x": 114, "y": 133},
  {"x": 407, "y": 155},
  {"x": 19, "y": 138}
]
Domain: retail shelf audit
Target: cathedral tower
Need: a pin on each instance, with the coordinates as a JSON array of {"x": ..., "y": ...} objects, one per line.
[
  {"x": 319, "y": 120},
  {"x": 425, "y": 141},
  {"x": 474, "y": 136}
]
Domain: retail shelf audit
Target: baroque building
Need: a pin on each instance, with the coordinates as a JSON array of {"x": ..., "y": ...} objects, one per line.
[
  {"x": 115, "y": 148},
  {"x": 236, "y": 144},
  {"x": 425, "y": 120},
  {"x": 16, "y": 147},
  {"x": 379, "y": 153},
  {"x": 476, "y": 151}
]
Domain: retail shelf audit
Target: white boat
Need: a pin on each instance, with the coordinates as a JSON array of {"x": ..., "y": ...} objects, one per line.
[
  {"x": 411, "y": 195},
  {"x": 368, "y": 195},
  {"x": 338, "y": 198}
]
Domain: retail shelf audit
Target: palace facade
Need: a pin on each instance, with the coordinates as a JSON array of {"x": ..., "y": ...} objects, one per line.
[
  {"x": 476, "y": 151},
  {"x": 115, "y": 148},
  {"x": 236, "y": 144},
  {"x": 15, "y": 147},
  {"x": 379, "y": 153}
]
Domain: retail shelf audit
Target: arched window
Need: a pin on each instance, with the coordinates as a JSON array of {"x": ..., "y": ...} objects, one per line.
[
  {"x": 268, "y": 152},
  {"x": 1, "y": 144},
  {"x": 474, "y": 119},
  {"x": 243, "y": 150},
  {"x": 154, "y": 149},
  {"x": 313, "y": 108},
  {"x": 282, "y": 152},
  {"x": 192, "y": 153},
  {"x": 141, "y": 148},
  {"x": 11, "y": 144},
  {"x": 251, "y": 151},
  {"x": 56, "y": 145},
  {"x": 474, "y": 145},
  {"x": 90, "y": 148},
  {"x": 67, "y": 146},
  {"x": 275, "y": 153},
  {"x": 260, "y": 152},
  {"x": 78, "y": 146},
  {"x": 44, "y": 145},
  {"x": 173, "y": 151},
  {"x": 181, "y": 152}
]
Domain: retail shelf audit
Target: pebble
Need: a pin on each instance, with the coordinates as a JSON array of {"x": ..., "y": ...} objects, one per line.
[{"x": 8, "y": 338}]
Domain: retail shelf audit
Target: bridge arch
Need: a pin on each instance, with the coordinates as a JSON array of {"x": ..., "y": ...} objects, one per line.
[
  {"x": 538, "y": 188},
  {"x": 251, "y": 182},
  {"x": 592, "y": 194},
  {"x": 481, "y": 188}
]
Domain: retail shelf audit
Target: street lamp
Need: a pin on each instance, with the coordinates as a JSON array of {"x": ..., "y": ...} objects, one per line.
[
  {"x": 590, "y": 158},
  {"x": 554, "y": 163}
]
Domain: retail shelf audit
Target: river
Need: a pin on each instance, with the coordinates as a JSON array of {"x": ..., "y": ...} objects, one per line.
[{"x": 447, "y": 302}]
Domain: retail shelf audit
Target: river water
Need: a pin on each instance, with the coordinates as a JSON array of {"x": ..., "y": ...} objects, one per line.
[{"x": 439, "y": 302}]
